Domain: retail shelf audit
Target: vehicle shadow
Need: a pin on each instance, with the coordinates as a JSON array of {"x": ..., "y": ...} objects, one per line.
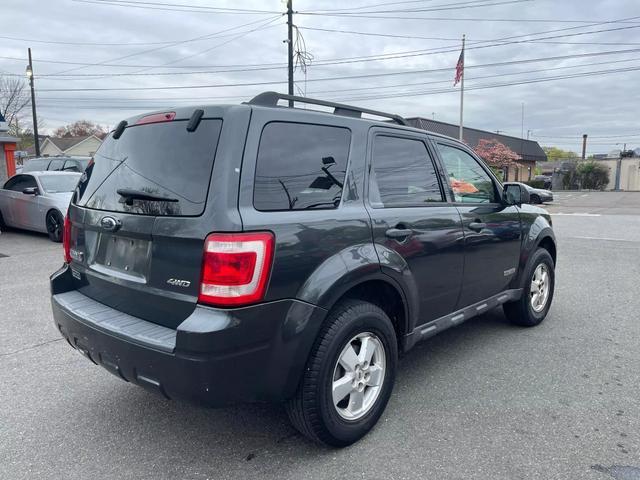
[{"x": 251, "y": 440}]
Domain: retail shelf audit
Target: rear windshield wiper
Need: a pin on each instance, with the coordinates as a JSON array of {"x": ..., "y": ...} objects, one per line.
[{"x": 130, "y": 195}]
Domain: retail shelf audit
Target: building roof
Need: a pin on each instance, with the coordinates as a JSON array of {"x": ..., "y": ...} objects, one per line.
[
  {"x": 64, "y": 143},
  {"x": 527, "y": 149}
]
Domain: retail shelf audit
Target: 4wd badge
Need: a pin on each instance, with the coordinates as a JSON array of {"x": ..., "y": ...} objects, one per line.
[{"x": 178, "y": 283}]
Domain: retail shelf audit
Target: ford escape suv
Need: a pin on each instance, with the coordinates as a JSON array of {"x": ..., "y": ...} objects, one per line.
[{"x": 259, "y": 252}]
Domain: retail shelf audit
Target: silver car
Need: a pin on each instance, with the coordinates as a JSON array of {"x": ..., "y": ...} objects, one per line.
[{"x": 38, "y": 201}]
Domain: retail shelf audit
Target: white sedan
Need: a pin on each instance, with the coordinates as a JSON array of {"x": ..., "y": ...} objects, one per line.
[{"x": 38, "y": 201}]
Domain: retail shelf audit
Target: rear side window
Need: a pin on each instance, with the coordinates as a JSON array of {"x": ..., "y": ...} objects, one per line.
[
  {"x": 56, "y": 164},
  {"x": 300, "y": 166},
  {"x": 402, "y": 174},
  {"x": 162, "y": 160}
]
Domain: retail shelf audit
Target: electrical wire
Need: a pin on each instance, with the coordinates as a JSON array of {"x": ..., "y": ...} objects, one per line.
[
  {"x": 187, "y": 8},
  {"x": 377, "y": 87},
  {"x": 155, "y": 49}
]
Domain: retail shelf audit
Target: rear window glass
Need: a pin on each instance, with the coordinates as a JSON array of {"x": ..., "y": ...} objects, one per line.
[
  {"x": 161, "y": 160},
  {"x": 37, "y": 164},
  {"x": 300, "y": 166},
  {"x": 59, "y": 183}
]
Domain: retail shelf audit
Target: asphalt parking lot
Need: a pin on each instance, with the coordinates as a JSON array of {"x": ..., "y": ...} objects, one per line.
[{"x": 485, "y": 400}]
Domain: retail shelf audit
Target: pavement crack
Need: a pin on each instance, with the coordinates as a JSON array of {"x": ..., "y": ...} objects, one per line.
[{"x": 31, "y": 347}]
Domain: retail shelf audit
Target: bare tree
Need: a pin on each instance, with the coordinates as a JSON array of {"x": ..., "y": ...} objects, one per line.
[
  {"x": 80, "y": 128},
  {"x": 14, "y": 97}
]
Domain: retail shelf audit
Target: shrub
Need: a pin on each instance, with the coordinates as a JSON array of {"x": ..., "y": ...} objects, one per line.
[{"x": 592, "y": 175}]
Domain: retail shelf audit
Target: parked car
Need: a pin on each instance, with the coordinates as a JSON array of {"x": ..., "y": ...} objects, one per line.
[
  {"x": 536, "y": 195},
  {"x": 62, "y": 164},
  {"x": 37, "y": 201},
  {"x": 258, "y": 253},
  {"x": 545, "y": 179}
]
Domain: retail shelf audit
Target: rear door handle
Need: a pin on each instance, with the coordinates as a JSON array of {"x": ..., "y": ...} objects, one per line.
[
  {"x": 398, "y": 232},
  {"x": 477, "y": 226}
]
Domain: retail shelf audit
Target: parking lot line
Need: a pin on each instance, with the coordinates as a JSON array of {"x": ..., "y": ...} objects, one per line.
[{"x": 577, "y": 214}]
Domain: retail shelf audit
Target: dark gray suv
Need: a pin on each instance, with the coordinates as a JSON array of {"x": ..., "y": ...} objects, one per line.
[{"x": 262, "y": 253}]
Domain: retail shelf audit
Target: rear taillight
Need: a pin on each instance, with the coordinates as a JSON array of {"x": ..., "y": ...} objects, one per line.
[
  {"x": 66, "y": 239},
  {"x": 236, "y": 268}
]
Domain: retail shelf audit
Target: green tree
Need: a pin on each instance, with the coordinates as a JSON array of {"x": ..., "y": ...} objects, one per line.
[{"x": 555, "y": 153}]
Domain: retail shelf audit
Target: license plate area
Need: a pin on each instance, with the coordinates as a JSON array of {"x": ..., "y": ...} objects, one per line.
[{"x": 123, "y": 257}]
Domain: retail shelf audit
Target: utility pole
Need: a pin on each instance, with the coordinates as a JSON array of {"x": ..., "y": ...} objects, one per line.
[
  {"x": 522, "y": 127},
  {"x": 528, "y": 134},
  {"x": 36, "y": 139},
  {"x": 584, "y": 146},
  {"x": 290, "y": 46}
]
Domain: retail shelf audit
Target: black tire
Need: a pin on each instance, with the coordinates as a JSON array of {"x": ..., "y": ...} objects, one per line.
[
  {"x": 2, "y": 224},
  {"x": 55, "y": 225},
  {"x": 521, "y": 312},
  {"x": 312, "y": 410},
  {"x": 535, "y": 199}
]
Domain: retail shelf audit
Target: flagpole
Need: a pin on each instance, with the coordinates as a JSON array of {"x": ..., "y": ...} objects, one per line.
[{"x": 461, "y": 92}]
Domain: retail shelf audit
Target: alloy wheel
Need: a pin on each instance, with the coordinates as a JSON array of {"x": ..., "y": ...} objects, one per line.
[{"x": 358, "y": 376}]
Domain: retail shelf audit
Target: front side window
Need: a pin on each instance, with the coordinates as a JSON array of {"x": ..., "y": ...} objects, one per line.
[
  {"x": 468, "y": 180},
  {"x": 20, "y": 182},
  {"x": 402, "y": 174},
  {"x": 300, "y": 166}
]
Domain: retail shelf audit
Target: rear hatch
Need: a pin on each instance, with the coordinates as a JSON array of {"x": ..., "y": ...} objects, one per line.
[{"x": 136, "y": 241}]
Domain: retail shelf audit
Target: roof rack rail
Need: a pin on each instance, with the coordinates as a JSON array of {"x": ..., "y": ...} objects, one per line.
[{"x": 271, "y": 99}]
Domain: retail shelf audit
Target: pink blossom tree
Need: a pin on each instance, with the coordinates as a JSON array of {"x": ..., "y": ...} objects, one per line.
[{"x": 496, "y": 154}]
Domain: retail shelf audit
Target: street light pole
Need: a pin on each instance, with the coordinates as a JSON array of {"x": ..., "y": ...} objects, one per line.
[{"x": 33, "y": 106}]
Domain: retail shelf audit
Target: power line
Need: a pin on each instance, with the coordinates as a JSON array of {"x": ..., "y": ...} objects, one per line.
[
  {"x": 496, "y": 85},
  {"x": 437, "y": 8},
  {"x": 370, "y": 58},
  {"x": 579, "y": 137},
  {"x": 278, "y": 82},
  {"x": 183, "y": 7},
  {"x": 454, "y": 19},
  {"x": 417, "y": 37},
  {"x": 105, "y": 64},
  {"x": 155, "y": 49},
  {"x": 377, "y": 87}
]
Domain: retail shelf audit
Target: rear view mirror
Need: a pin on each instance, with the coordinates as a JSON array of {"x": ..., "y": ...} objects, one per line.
[
  {"x": 515, "y": 194},
  {"x": 30, "y": 191}
]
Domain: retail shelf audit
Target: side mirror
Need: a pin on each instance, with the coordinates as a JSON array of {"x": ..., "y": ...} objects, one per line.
[
  {"x": 30, "y": 191},
  {"x": 516, "y": 194}
]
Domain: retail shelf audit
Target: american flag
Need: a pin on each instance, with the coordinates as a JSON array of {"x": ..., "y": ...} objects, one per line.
[{"x": 459, "y": 68}]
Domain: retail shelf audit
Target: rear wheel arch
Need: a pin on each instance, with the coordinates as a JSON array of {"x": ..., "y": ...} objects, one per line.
[{"x": 386, "y": 295}]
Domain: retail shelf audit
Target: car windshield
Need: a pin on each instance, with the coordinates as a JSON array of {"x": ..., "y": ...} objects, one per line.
[{"x": 59, "y": 183}]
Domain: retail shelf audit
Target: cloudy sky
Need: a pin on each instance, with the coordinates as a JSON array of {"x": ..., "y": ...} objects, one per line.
[{"x": 104, "y": 60}]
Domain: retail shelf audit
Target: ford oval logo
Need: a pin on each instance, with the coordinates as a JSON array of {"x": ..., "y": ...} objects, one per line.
[{"x": 110, "y": 223}]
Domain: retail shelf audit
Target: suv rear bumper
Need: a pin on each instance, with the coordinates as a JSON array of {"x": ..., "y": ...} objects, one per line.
[{"x": 214, "y": 357}]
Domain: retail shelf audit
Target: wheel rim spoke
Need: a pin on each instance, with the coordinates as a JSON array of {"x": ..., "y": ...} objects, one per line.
[
  {"x": 341, "y": 388},
  {"x": 367, "y": 349},
  {"x": 356, "y": 401},
  {"x": 349, "y": 359},
  {"x": 376, "y": 376}
]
